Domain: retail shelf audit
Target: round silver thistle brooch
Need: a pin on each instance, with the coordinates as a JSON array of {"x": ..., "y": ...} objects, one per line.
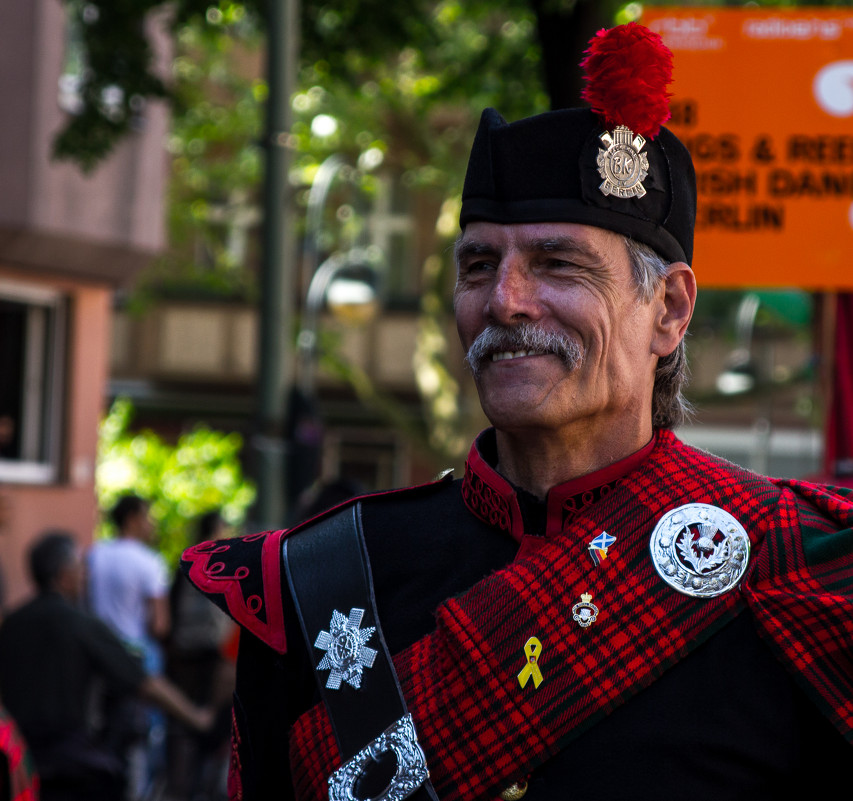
[{"x": 700, "y": 550}]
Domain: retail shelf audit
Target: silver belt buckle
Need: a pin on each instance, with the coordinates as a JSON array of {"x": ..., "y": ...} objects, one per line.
[{"x": 411, "y": 772}]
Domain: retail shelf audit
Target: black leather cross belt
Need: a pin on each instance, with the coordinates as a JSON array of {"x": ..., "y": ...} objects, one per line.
[{"x": 329, "y": 575}]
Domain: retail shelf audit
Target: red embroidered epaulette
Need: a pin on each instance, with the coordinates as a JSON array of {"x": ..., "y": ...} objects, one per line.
[{"x": 243, "y": 577}]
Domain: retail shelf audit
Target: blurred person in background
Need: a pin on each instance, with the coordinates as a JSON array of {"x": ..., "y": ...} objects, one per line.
[
  {"x": 128, "y": 589},
  {"x": 54, "y": 658},
  {"x": 198, "y": 664},
  {"x": 129, "y": 582}
]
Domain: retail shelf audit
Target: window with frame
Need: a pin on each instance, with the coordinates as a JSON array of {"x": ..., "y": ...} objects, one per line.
[{"x": 32, "y": 337}]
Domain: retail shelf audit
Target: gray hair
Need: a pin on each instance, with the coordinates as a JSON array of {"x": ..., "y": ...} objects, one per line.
[
  {"x": 49, "y": 556},
  {"x": 669, "y": 406}
]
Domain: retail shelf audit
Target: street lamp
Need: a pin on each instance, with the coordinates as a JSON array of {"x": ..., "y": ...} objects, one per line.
[
  {"x": 740, "y": 373},
  {"x": 346, "y": 284}
]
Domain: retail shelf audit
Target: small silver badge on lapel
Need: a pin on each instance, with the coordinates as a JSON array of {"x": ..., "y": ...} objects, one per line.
[
  {"x": 700, "y": 550},
  {"x": 585, "y": 612},
  {"x": 622, "y": 165},
  {"x": 346, "y": 653}
]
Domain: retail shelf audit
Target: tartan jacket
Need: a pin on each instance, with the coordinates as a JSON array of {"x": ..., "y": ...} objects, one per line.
[
  {"x": 478, "y": 727},
  {"x": 23, "y": 781}
]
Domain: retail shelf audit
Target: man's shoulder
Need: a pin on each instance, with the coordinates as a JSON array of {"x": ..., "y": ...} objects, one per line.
[
  {"x": 816, "y": 500},
  {"x": 18, "y": 620},
  {"x": 698, "y": 473},
  {"x": 825, "y": 516},
  {"x": 129, "y": 554},
  {"x": 820, "y": 514},
  {"x": 679, "y": 452},
  {"x": 243, "y": 575},
  {"x": 44, "y": 610}
]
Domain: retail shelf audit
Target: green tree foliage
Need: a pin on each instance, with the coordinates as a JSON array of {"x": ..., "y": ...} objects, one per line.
[
  {"x": 218, "y": 96},
  {"x": 364, "y": 50},
  {"x": 114, "y": 80},
  {"x": 408, "y": 106},
  {"x": 201, "y": 472},
  {"x": 409, "y": 110}
]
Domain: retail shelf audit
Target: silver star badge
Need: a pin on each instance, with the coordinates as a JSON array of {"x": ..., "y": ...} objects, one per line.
[{"x": 346, "y": 653}]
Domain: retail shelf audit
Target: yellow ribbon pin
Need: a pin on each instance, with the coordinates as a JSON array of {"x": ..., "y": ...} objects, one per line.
[{"x": 532, "y": 650}]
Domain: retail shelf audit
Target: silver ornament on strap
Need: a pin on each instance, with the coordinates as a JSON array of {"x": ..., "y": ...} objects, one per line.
[
  {"x": 411, "y": 771},
  {"x": 346, "y": 653},
  {"x": 700, "y": 550}
]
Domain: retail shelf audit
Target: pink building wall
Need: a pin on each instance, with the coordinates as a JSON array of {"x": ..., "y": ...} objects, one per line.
[
  {"x": 77, "y": 235},
  {"x": 69, "y": 503}
]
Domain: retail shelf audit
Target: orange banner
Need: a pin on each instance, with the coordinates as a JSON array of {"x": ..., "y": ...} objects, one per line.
[{"x": 764, "y": 100}]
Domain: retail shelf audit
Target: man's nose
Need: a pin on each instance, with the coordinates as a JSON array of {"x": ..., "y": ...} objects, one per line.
[{"x": 514, "y": 296}]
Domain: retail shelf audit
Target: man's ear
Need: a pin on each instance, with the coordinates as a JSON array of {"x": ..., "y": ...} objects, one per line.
[{"x": 679, "y": 298}]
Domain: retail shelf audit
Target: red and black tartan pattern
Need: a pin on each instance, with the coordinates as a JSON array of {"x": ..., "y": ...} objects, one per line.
[
  {"x": 799, "y": 591},
  {"x": 22, "y": 781},
  {"x": 481, "y": 731}
]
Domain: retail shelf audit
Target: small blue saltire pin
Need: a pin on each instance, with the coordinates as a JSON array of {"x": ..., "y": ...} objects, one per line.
[{"x": 598, "y": 547}]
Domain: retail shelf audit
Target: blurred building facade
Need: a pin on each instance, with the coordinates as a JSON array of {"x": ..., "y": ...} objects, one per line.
[
  {"x": 67, "y": 241},
  {"x": 196, "y": 359}
]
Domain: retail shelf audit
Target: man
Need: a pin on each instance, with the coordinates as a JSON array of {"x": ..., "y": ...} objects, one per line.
[
  {"x": 128, "y": 581},
  {"x": 129, "y": 591},
  {"x": 52, "y": 654},
  {"x": 594, "y": 611}
]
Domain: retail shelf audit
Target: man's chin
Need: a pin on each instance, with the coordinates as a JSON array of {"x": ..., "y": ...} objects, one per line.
[{"x": 507, "y": 407}]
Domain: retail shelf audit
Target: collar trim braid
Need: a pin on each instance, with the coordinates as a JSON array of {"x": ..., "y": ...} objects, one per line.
[
  {"x": 492, "y": 499},
  {"x": 489, "y": 497}
]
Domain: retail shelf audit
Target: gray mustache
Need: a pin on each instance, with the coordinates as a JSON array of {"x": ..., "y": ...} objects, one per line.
[{"x": 524, "y": 336}]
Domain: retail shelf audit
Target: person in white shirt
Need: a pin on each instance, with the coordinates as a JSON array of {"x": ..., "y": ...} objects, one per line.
[
  {"x": 128, "y": 589},
  {"x": 128, "y": 580}
]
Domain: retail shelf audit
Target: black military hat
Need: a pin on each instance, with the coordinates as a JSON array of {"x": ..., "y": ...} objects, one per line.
[{"x": 613, "y": 167}]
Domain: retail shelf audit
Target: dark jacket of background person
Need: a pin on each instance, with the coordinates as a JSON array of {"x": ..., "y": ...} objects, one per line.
[
  {"x": 49, "y": 654},
  {"x": 52, "y": 655}
]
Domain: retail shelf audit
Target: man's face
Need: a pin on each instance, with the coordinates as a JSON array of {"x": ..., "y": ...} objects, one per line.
[
  {"x": 140, "y": 524},
  {"x": 572, "y": 283},
  {"x": 71, "y": 579}
]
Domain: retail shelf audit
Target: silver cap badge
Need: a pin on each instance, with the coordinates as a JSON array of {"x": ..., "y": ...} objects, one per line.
[
  {"x": 346, "y": 653},
  {"x": 700, "y": 550},
  {"x": 622, "y": 165}
]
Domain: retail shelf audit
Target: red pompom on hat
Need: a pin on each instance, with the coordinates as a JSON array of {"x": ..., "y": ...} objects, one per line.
[
  {"x": 628, "y": 69},
  {"x": 556, "y": 166}
]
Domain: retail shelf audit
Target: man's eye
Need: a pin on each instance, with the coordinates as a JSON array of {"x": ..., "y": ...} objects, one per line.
[{"x": 478, "y": 266}]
